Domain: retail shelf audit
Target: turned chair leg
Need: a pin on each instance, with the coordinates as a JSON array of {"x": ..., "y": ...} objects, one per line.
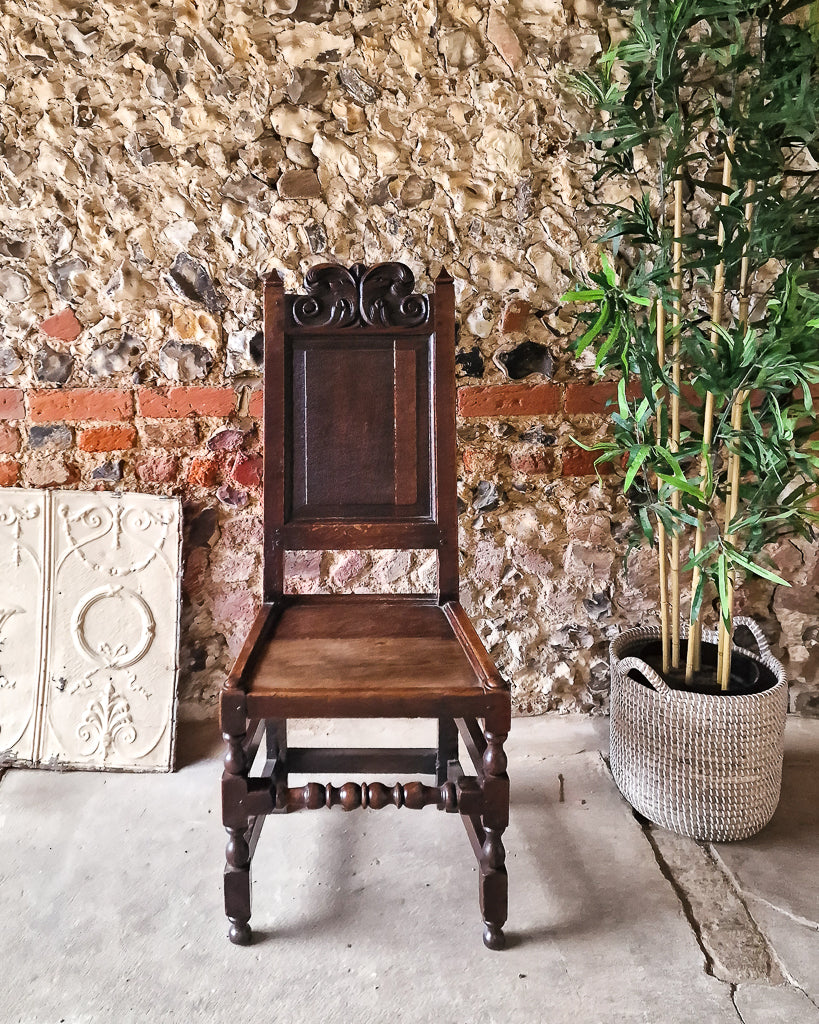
[
  {"x": 237, "y": 852},
  {"x": 495, "y": 818},
  {"x": 237, "y": 887}
]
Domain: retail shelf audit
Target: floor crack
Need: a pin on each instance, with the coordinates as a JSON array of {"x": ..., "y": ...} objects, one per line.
[
  {"x": 734, "y": 1002},
  {"x": 805, "y": 922},
  {"x": 667, "y": 873}
]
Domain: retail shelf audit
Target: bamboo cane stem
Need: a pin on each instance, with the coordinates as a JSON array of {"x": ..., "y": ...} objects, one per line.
[
  {"x": 744, "y": 293},
  {"x": 693, "y": 660},
  {"x": 734, "y": 462},
  {"x": 676, "y": 258},
  {"x": 731, "y": 509},
  {"x": 661, "y": 537}
]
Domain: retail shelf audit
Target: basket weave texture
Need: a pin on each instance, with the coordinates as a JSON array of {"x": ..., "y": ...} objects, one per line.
[{"x": 708, "y": 766}]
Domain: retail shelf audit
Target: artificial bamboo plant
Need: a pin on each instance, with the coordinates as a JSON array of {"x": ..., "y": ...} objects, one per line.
[{"x": 707, "y": 310}]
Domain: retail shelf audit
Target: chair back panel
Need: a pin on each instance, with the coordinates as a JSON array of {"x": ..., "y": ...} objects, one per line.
[
  {"x": 359, "y": 416},
  {"x": 360, "y": 427}
]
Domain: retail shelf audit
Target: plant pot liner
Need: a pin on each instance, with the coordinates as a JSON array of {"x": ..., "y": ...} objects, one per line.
[{"x": 708, "y": 766}]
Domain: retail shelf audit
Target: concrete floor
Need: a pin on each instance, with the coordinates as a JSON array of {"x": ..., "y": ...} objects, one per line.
[{"x": 112, "y": 904}]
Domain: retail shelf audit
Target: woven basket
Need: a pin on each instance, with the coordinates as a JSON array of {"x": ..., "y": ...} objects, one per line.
[{"x": 707, "y": 766}]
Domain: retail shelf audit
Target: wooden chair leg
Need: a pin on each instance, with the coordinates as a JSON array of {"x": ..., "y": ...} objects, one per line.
[
  {"x": 447, "y": 748},
  {"x": 237, "y": 853},
  {"x": 237, "y": 887},
  {"x": 495, "y": 818}
]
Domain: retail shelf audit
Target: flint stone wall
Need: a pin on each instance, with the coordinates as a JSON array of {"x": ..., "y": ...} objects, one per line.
[{"x": 155, "y": 158}]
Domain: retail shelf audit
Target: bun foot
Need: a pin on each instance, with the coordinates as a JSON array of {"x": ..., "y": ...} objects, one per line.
[
  {"x": 240, "y": 933},
  {"x": 493, "y": 937}
]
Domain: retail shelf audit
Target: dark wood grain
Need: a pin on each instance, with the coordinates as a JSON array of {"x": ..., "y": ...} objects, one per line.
[
  {"x": 359, "y": 430},
  {"x": 405, "y": 415},
  {"x": 355, "y": 534},
  {"x": 470, "y": 641},
  {"x": 276, "y": 438},
  {"x": 419, "y": 760},
  {"x": 253, "y": 645},
  {"x": 445, "y": 490}
]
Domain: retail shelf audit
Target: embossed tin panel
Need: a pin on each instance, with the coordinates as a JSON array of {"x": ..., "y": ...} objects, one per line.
[
  {"x": 108, "y": 660},
  {"x": 22, "y": 557}
]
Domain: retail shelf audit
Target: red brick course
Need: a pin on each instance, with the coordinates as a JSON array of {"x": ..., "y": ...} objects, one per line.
[
  {"x": 107, "y": 439},
  {"x": 9, "y": 472},
  {"x": 255, "y": 407},
  {"x": 12, "y": 405},
  {"x": 578, "y": 462},
  {"x": 510, "y": 400},
  {"x": 591, "y": 399},
  {"x": 73, "y": 405},
  {"x": 176, "y": 403}
]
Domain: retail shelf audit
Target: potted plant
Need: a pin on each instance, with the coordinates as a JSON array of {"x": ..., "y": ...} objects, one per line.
[{"x": 706, "y": 312}]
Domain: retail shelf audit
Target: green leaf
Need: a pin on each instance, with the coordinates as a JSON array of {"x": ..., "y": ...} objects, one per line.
[
  {"x": 622, "y": 401},
  {"x": 614, "y": 334},
  {"x": 680, "y": 483},
  {"x": 756, "y": 569},
  {"x": 588, "y": 336},
  {"x": 723, "y": 588},
  {"x": 634, "y": 466},
  {"x": 645, "y": 524},
  {"x": 696, "y": 600}
]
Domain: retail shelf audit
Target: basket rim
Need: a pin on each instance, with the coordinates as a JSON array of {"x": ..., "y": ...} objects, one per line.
[{"x": 618, "y": 649}]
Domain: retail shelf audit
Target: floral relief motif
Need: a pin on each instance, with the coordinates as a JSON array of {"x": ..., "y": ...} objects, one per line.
[{"x": 106, "y": 721}]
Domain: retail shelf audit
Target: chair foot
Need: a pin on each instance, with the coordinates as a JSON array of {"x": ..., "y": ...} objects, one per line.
[
  {"x": 240, "y": 933},
  {"x": 493, "y": 937}
]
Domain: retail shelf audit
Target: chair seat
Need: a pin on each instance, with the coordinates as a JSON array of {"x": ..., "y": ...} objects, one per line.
[{"x": 361, "y": 657}]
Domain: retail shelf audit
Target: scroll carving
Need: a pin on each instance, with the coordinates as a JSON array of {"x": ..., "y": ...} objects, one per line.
[{"x": 378, "y": 296}]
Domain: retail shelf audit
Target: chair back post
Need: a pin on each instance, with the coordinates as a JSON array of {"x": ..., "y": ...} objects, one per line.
[
  {"x": 445, "y": 489},
  {"x": 274, "y": 439}
]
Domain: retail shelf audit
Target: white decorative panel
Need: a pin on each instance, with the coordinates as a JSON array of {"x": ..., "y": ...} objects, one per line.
[
  {"x": 22, "y": 557},
  {"x": 107, "y": 683}
]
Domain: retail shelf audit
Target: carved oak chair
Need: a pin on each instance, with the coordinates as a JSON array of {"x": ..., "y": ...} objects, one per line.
[{"x": 359, "y": 427}]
